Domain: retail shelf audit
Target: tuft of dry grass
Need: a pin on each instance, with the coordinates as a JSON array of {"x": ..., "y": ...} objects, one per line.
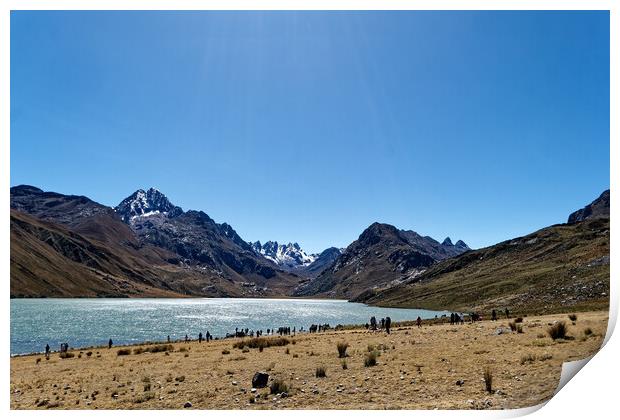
[
  {"x": 320, "y": 372},
  {"x": 342, "y": 349},
  {"x": 258, "y": 342},
  {"x": 528, "y": 358},
  {"x": 371, "y": 358},
  {"x": 557, "y": 330},
  {"x": 278, "y": 386},
  {"x": 588, "y": 331},
  {"x": 573, "y": 317},
  {"x": 488, "y": 379},
  {"x": 66, "y": 355},
  {"x": 149, "y": 395}
]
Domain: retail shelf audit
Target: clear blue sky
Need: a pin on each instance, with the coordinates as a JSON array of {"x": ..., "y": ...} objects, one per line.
[{"x": 308, "y": 127}]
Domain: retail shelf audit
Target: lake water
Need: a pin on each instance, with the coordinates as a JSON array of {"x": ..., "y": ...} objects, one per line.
[{"x": 90, "y": 322}]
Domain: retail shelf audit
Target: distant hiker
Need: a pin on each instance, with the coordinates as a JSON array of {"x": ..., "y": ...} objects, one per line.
[
  {"x": 293, "y": 330},
  {"x": 419, "y": 322},
  {"x": 507, "y": 313},
  {"x": 208, "y": 336},
  {"x": 168, "y": 338},
  {"x": 388, "y": 324},
  {"x": 186, "y": 338},
  {"x": 47, "y": 350},
  {"x": 199, "y": 337},
  {"x": 110, "y": 344},
  {"x": 382, "y": 323},
  {"x": 452, "y": 318},
  {"x": 373, "y": 323},
  {"x": 493, "y": 315}
]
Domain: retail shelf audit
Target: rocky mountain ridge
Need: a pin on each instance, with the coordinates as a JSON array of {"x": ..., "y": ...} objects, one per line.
[{"x": 382, "y": 255}]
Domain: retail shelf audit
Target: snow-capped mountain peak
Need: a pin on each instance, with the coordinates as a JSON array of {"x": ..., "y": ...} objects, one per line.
[
  {"x": 288, "y": 256},
  {"x": 146, "y": 203}
]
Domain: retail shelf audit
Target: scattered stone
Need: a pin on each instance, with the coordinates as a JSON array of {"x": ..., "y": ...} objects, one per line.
[
  {"x": 460, "y": 382},
  {"x": 187, "y": 405},
  {"x": 253, "y": 390},
  {"x": 234, "y": 382}
]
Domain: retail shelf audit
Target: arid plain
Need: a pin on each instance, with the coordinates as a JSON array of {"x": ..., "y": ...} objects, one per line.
[{"x": 437, "y": 366}]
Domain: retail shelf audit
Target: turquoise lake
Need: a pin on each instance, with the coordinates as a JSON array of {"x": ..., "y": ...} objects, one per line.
[{"x": 92, "y": 322}]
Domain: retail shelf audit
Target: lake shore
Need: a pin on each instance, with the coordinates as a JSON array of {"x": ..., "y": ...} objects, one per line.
[{"x": 435, "y": 366}]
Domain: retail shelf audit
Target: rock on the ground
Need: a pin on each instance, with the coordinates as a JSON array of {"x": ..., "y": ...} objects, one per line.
[{"x": 260, "y": 380}]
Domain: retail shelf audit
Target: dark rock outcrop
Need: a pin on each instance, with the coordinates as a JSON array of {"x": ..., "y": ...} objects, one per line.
[{"x": 597, "y": 208}]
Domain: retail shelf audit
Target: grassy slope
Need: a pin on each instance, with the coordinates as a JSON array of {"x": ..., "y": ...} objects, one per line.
[{"x": 553, "y": 269}]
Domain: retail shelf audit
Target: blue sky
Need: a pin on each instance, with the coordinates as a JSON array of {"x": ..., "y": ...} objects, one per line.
[{"x": 309, "y": 126}]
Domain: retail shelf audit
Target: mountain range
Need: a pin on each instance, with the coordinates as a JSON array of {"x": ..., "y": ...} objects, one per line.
[
  {"x": 557, "y": 268},
  {"x": 71, "y": 246}
]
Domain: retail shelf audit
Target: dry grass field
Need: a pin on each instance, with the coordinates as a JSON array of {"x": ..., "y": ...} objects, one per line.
[{"x": 436, "y": 366}]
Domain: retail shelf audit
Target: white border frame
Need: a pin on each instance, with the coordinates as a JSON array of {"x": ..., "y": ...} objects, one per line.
[{"x": 593, "y": 394}]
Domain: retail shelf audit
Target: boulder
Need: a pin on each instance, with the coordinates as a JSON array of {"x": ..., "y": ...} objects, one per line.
[{"x": 260, "y": 380}]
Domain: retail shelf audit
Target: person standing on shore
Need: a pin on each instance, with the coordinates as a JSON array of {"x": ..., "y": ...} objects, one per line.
[
  {"x": 110, "y": 343},
  {"x": 388, "y": 324},
  {"x": 47, "y": 350},
  {"x": 419, "y": 322},
  {"x": 199, "y": 337}
]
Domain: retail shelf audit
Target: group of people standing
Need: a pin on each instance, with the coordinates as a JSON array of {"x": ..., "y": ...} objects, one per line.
[
  {"x": 207, "y": 337},
  {"x": 386, "y": 324}
]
